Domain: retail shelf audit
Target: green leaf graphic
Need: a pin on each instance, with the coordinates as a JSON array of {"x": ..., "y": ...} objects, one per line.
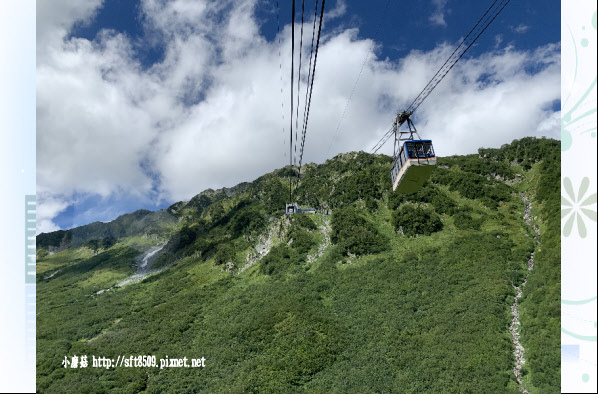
[
  {"x": 589, "y": 201},
  {"x": 591, "y": 338},
  {"x": 583, "y": 188},
  {"x": 565, "y": 212},
  {"x": 569, "y": 188},
  {"x": 568, "y": 226},
  {"x": 581, "y": 227},
  {"x": 589, "y": 213},
  {"x": 578, "y": 302},
  {"x": 565, "y": 202}
]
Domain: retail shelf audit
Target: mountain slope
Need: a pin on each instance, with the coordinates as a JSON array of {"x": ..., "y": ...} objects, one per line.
[{"x": 374, "y": 292}]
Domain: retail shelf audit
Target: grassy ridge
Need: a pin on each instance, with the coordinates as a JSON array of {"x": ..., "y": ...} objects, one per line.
[{"x": 425, "y": 309}]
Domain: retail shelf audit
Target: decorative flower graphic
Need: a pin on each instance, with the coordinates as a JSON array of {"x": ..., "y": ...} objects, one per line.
[{"x": 574, "y": 206}]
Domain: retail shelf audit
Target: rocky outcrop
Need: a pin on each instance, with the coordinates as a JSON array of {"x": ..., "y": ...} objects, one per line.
[
  {"x": 325, "y": 229},
  {"x": 277, "y": 230},
  {"x": 515, "y": 323}
]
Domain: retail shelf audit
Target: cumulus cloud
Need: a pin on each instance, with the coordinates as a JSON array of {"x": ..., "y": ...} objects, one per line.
[
  {"x": 47, "y": 207},
  {"x": 492, "y": 100},
  {"x": 54, "y": 20},
  {"x": 211, "y": 112}
]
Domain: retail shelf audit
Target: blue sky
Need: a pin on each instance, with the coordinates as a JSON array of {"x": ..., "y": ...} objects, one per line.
[
  {"x": 144, "y": 103},
  {"x": 397, "y": 26}
]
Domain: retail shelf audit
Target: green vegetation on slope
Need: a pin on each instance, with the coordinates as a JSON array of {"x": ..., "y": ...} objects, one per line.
[
  {"x": 541, "y": 303},
  {"x": 374, "y": 310}
]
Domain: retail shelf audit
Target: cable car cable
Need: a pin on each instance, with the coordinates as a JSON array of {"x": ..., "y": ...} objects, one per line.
[
  {"x": 299, "y": 79},
  {"x": 449, "y": 64},
  {"x": 446, "y": 67},
  {"x": 280, "y": 70},
  {"x": 359, "y": 75},
  {"x": 313, "y": 75},
  {"x": 307, "y": 90},
  {"x": 447, "y": 60},
  {"x": 382, "y": 141},
  {"x": 292, "y": 69}
]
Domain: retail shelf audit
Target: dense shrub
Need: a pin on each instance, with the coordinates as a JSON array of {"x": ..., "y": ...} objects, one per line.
[
  {"x": 488, "y": 167},
  {"x": 304, "y": 221},
  {"x": 245, "y": 218},
  {"x": 473, "y": 186},
  {"x": 314, "y": 189},
  {"x": 299, "y": 235},
  {"x": 54, "y": 238},
  {"x": 279, "y": 258},
  {"x": 430, "y": 194},
  {"x": 217, "y": 213},
  {"x": 371, "y": 205},
  {"x": 224, "y": 253},
  {"x": 200, "y": 202},
  {"x": 464, "y": 221},
  {"x": 302, "y": 241},
  {"x": 355, "y": 234},
  {"x": 247, "y": 221},
  {"x": 528, "y": 150},
  {"x": 205, "y": 246},
  {"x": 271, "y": 191},
  {"x": 364, "y": 184},
  {"x": 541, "y": 302},
  {"x": 416, "y": 219},
  {"x": 97, "y": 244},
  {"x": 345, "y": 179},
  {"x": 187, "y": 236}
]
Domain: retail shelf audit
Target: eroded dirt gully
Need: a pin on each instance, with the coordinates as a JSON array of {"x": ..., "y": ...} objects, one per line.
[{"x": 514, "y": 327}]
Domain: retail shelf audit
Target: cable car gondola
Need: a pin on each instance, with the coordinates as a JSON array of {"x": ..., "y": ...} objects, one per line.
[{"x": 414, "y": 159}]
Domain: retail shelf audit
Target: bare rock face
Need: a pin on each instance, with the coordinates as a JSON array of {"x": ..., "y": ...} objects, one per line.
[
  {"x": 277, "y": 230},
  {"x": 229, "y": 267},
  {"x": 325, "y": 229}
]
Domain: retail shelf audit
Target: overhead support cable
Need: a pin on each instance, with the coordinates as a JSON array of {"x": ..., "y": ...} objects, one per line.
[
  {"x": 482, "y": 24},
  {"x": 307, "y": 90},
  {"x": 280, "y": 71},
  {"x": 383, "y": 140},
  {"x": 299, "y": 79},
  {"x": 311, "y": 88},
  {"x": 489, "y": 16},
  {"x": 359, "y": 75},
  {"x": 292, "y": 69}
]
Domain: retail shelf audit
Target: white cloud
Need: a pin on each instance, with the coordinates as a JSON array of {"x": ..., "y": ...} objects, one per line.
[
  {"x": 498, "y": 39},
  {"x": 520, "y": 29},
  {"x": 54, "y": 19},
  {"x": 92, "y": 132},
  {"x": 491, "y": 100},
  {"x": 437, "y": 16},
  {"x": 209, "y": 113},
  {"x": 47, "y": 207},
  {"x": 339, "y": 9},
  {"x": 550, "y": 126}
]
